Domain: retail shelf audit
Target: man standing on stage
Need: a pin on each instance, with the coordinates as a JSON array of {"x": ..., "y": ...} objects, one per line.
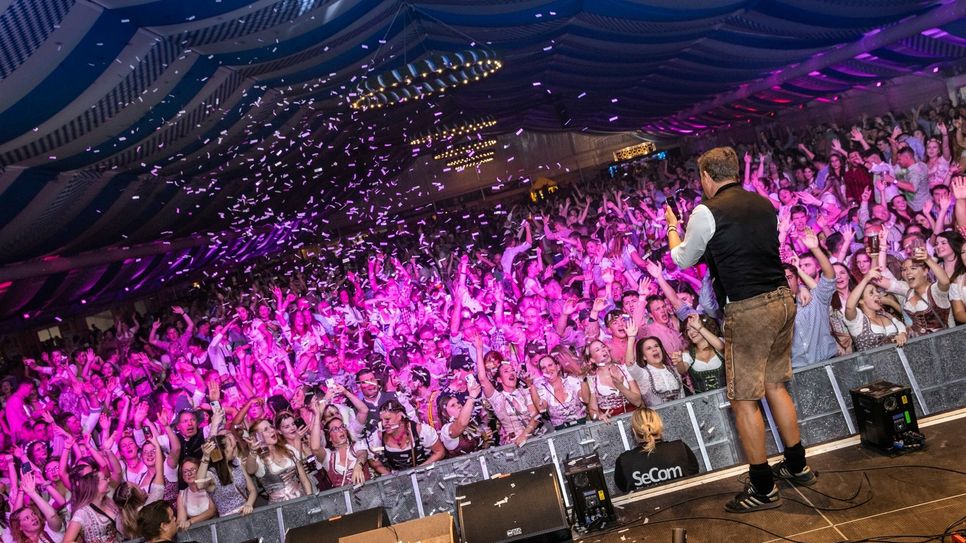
[{"x": 737, "y": 233}]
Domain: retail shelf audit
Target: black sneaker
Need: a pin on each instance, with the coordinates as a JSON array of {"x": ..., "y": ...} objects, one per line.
[
  {"x": 750, "y": 500},
  {"x": 806, "y": 477}
]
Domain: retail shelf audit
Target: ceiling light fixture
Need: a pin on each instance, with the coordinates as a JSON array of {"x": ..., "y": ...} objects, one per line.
[
  {"x": 452, "y": 131},
  {"x": 465, "y": 149},
  {"x": 432, "y": 74},
  {"x": 468, "y": 161}
]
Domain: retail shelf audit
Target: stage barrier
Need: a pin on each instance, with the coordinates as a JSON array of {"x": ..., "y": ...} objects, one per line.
[{"x": 934, "y": 366}]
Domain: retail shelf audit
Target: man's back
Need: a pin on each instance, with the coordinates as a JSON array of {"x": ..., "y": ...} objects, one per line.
[{"x": 743, "y": 253}]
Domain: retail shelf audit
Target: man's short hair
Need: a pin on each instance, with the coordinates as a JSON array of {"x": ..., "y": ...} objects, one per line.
[
  {"x": 720, "y": 163},
  {"x": 151, "y": 517},
  {"x": 907, "y": 151}
]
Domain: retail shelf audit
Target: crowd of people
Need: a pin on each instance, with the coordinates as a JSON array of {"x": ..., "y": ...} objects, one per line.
[{"x": 472, "y": 329}]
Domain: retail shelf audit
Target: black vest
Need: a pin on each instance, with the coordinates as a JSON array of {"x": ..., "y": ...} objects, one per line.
[{"x": 743, "y": 253}]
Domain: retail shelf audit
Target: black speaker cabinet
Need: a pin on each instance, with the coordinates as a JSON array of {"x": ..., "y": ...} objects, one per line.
[
  {"x": 588, "y": 492},
  {"x": 523, "y": 506},
  {"x": 885, "y": 416},
  {"x": 330, "y": 530}
]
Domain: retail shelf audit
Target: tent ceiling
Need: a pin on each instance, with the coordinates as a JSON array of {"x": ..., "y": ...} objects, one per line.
[{"x": 126, "y": 122}]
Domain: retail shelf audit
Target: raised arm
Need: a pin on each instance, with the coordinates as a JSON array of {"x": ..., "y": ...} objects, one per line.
[
  {"x": 958, "y": 186},
  {"x": 466, "y": 412},
  {"x": 316, "y": 439},
  {"x": 456, "y": 318},
  {"x": 481, "y": 376},
  {"x": 694, "y": 322},
  {"x": 942, "y": 278},
  {"x": 852, "y": 303},
  {"x": 28, "y": 485}
]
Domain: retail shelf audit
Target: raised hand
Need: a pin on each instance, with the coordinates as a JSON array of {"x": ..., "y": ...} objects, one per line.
[
  {"x": 958, "y": 186},
  {"x": 866, "y": 194},
  {"x": 645, "y": 286},
  {"x": 631, "y": 328},
  {"x": 804, "y": 297},
  {"x": 214, "y": 390},
  {"x": 856, "y": 134},
  {"x": 178, "y": 310},
  {"x": 809, "y": 239},
  {"x": 694, "y": 322},
  {"x": 655, "y": 269},
  {"x": 599, "y": 305},
  {"x": 677, "y": 358},
  {"x": 941, "y": 127},
  {"x": 28, "y": 483},
  {"x": 207, "y": 448},
  {"x": 944, "y": 202},
  {"x": 672, "y": 219},
  {"x": 848, "y": 233}
]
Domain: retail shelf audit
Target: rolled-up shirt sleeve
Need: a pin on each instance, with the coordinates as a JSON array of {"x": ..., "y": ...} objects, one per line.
[{"x": 701, "y": 227}]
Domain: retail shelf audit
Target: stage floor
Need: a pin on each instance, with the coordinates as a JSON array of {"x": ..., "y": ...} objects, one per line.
[{"x": 860, "y": 494}]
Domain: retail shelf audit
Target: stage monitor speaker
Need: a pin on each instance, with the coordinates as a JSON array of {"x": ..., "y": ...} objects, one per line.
[
  {"x": 523, "y": 506},
  {"x": 886, "y": 417},
  {"x": 330, "y": 530},
  {"x": 588, "y": 492},
  {"x": 432, "y": 529}
]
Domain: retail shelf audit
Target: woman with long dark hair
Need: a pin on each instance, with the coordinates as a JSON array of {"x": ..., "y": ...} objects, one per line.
[
  {"x": 94, "y": 518},
  {"x": 703, "y": 362},
  {"x": 231, "y": 488},
  {"x": 344, "y": 461},
  {"x": 844, "y": 283},
  {"x": 462, "y": 433},
  {"x": 653, "y": 370},
  {"x": 949, "y": 245},
  {"x": 131, "y": 495},
  {"x": 869, "y": 325}
]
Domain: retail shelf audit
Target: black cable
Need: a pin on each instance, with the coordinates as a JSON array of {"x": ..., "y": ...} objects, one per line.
[
  {"x": 923, "y": 466},
  {"x": 921, "y": 538}
]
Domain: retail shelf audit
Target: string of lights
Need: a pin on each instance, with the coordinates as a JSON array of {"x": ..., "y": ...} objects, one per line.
[
  {"x": 452, "y": 131},
  {"x": 478, "y": 158},
  {"x": 465, "y": 149}
]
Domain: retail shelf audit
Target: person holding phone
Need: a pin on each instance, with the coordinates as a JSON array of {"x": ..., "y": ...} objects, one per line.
[
  {"x": 735, "y": 232},
  {"x": 925, "y": 301},
  {"x": 462, "y": 432}
]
